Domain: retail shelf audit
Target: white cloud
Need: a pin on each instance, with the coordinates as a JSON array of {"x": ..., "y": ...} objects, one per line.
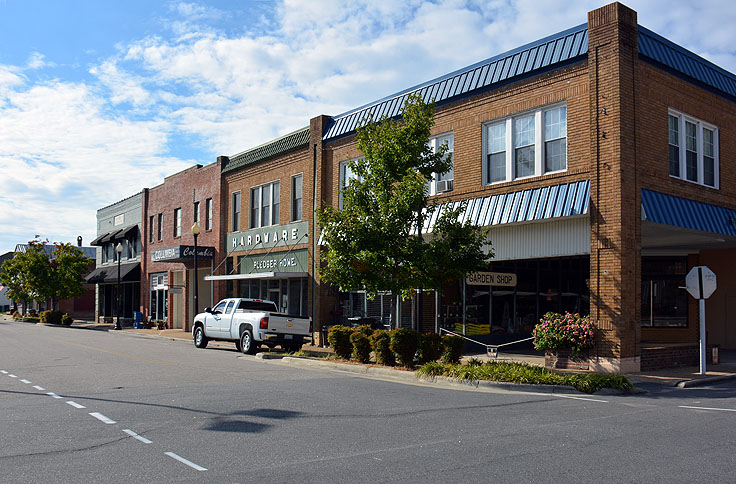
[{"x": 72, "y": 147}]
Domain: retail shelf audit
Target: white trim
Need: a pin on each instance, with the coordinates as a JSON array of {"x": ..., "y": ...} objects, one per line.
[
  {"x": 682, "y": 135},
  {"x": 257, "y": 275}
]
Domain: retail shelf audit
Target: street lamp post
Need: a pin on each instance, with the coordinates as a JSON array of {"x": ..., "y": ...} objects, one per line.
[
  {"x": 195, "y": 233},
  {"x": 119, "y": 252}
]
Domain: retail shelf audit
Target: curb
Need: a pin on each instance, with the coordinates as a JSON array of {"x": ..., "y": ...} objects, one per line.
[
  {"x": 410, "y": 376},
  {"x": 705, "y": 381}
]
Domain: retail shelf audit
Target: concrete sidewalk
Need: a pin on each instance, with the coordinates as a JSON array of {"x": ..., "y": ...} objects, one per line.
[{"x": 682, "y": 377}]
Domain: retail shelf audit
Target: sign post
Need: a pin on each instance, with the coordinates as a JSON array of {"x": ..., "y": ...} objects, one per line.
[{"x": 700, "y": 283}]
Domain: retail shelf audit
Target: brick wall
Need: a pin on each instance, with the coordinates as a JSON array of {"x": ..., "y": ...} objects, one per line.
[{"x": 176, "y": 192}]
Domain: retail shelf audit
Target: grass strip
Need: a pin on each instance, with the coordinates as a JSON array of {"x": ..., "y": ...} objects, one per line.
[{"x": 504, "y": 371}]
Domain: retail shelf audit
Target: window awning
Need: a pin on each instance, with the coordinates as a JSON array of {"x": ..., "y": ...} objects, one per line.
[
  {"x": 257, "y": 275},
  {"x": 556, "y": 201},
  {"x": 115, "y": 235},
  {"x": 688, "y": 214},
  {"x": 107, "y": 274}
]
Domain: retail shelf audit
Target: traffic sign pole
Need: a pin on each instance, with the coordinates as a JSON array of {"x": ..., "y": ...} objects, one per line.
[{"x": 700, "y": 283}]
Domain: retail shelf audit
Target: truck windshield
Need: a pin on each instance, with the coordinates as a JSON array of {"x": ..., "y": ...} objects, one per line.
[{"x": 256, "y": 306}]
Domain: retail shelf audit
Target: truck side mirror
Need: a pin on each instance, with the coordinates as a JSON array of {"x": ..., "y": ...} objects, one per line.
[{"x": 208, "y": 309}]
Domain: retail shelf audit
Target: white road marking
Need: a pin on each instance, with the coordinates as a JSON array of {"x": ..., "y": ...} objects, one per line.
[
  {"x": 52, "y": 394},
  {"x": 75, "y": 404},
  {"x": 26, "y": 381},
  {"x": 39, "y": 388},
  {"x": 184, "y": 461},
  {"x": 581, "y": 398},
  {"x": 102, "y": 418},
  {"x": 137, "y": 437},
  {"x": 709, "y": 408},
  {"x": 3, "y": 372},
  {"x": 12, "y": 376}
]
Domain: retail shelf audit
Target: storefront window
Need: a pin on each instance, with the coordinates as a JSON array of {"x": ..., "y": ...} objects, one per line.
[{"x": 663, "y": 299}]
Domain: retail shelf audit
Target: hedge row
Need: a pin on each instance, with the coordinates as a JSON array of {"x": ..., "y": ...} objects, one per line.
[{"x": 391, "y": 347}]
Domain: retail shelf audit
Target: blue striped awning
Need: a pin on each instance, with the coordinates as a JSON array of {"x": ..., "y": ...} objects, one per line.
[
  {"x": 531, "y": 205},
  {"x": 688, "y": 214}
]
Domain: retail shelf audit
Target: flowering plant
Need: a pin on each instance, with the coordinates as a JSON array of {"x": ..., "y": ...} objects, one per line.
[{"x": 562, "y": 331}]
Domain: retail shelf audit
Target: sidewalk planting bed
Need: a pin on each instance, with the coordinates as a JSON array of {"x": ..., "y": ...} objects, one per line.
[{"x": 512, "y": 372}]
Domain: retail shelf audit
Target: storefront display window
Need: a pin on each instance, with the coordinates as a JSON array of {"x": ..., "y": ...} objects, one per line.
[{"x": 663, "y": 297}]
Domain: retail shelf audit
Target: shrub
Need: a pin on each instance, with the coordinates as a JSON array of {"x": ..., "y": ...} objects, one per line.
[
  {"x": 338, "y": 338},
  {"x": 569, "y": 331},
  {"x": 361, "y": 346},
  {"x": 404, "y": 342},
  {"x": 66, "y": 320},
  {"x": 430, "y": 347},
  {"x": 381, "y": 342},
  {"x": 364, "y": 329},
  {"x": 452, "y": 349},
  {"x": 51, "y": 317}
]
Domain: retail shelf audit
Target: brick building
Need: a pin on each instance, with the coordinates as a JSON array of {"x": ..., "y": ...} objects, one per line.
[
  {"x": 595, "y": 157},
  {"x": 167, "y": 269}
]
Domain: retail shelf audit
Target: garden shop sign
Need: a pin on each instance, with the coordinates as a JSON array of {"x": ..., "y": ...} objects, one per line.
[{"x": 491, "y": 279}]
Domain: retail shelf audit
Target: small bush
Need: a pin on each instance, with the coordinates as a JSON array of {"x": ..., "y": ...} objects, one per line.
[
  {"x": 338, "y": 338},
  {"x": 51, "y": 317},
  {"x": 364, "y": 329},
  {"x": 381, "y": 342},
  {"x": 452, "y": 349},
  {"x": 430, "y": 347},
  {"x": 562, "y": 331},
  {"x": 404, "y": 342},
  {"x": 66, "y": 320},
  {"x": 361, "y": 346}
]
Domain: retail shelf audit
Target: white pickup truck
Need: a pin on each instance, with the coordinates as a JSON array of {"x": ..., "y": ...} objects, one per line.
[{"x": 250, "y": 323}]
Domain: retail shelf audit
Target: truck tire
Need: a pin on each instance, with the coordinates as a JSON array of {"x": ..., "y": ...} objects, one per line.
[
  {"x": 247, "y": 345},
  {"x": 200, "y": 340}
]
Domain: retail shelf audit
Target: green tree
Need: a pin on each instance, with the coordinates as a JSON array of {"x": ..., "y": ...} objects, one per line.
[
  {"x": 27, "y": 274},
  {"x": 372, "y": 243},
  {"x": 33, "y": 275},
  {"x": 68, "y": 266}
]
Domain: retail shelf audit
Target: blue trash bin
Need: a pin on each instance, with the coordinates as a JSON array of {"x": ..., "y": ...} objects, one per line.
[{"x": 138, "y": 319}]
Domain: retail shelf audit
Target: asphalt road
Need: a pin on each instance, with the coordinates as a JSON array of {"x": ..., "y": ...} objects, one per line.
[{"x": 91, "y": 406}]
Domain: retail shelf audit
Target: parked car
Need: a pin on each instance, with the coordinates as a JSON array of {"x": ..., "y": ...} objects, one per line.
[{"x": 250, "y": 323}]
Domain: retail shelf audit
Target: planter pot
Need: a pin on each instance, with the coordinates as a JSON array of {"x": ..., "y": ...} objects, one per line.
[{"x": 564, "y": 360}]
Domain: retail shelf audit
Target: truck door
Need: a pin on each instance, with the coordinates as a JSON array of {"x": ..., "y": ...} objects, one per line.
[
  {"x": 212, "y": 320},
  {"x": 226, "y": 319}
]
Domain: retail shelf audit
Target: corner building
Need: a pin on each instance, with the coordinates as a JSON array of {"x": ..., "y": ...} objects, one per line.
[{"x": 599, "y": 159}]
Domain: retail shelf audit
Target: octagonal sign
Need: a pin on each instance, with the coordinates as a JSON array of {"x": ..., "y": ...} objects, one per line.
[{"x": 700, "y": 282}]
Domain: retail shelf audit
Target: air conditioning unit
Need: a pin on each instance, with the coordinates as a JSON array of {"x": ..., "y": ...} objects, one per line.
[{"x": 444, "y": 186}]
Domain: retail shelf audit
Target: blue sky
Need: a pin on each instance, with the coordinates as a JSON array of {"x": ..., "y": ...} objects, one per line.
[{"x": 99, "y": 99}]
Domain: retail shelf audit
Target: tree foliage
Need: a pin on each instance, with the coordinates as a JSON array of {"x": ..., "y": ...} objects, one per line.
[
  {"x": 372, "y": 243},
  {"x": 34, "y": 275}
]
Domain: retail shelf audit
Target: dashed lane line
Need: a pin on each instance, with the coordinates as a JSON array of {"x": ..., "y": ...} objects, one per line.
[
  {"x": 102, "y": 418},
  {"x": 75, "y": 404},
  {"x": 26, "y": 381},
  {"x": 137, "y": 437},
  {"x": 709, "y": 408},
  {"x": 52, "y": 394},
  {"x": 13, "y": 376},
  {"x": 184, "y": 461},
  {"x": 40, "y": 389},
  {"x": 3, "y": 372}
]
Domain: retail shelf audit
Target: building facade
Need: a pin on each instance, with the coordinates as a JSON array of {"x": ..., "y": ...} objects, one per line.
[
  {"x": 118, "y": 227},
  {"x": 167, "y": 269}
]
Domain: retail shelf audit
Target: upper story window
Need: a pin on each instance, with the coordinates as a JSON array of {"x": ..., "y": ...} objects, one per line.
[
  {"x": 265, "y": 204},
  {"x": 160, "y": 226},
  {"x": 693, "y": 149},
  {"x": 529, "y": 144},
  {"x": 150, "y": 228},
  {"x": 346, "y": 174},
  {"x": 236, "y": 211},
  {"x": 296, "y": 197},
  {"x": 210, "y": 213},
  {"x": 442, "y": 182},
  {"x": 196, "y": 212},
  {"x": 177, "y": 222}
]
